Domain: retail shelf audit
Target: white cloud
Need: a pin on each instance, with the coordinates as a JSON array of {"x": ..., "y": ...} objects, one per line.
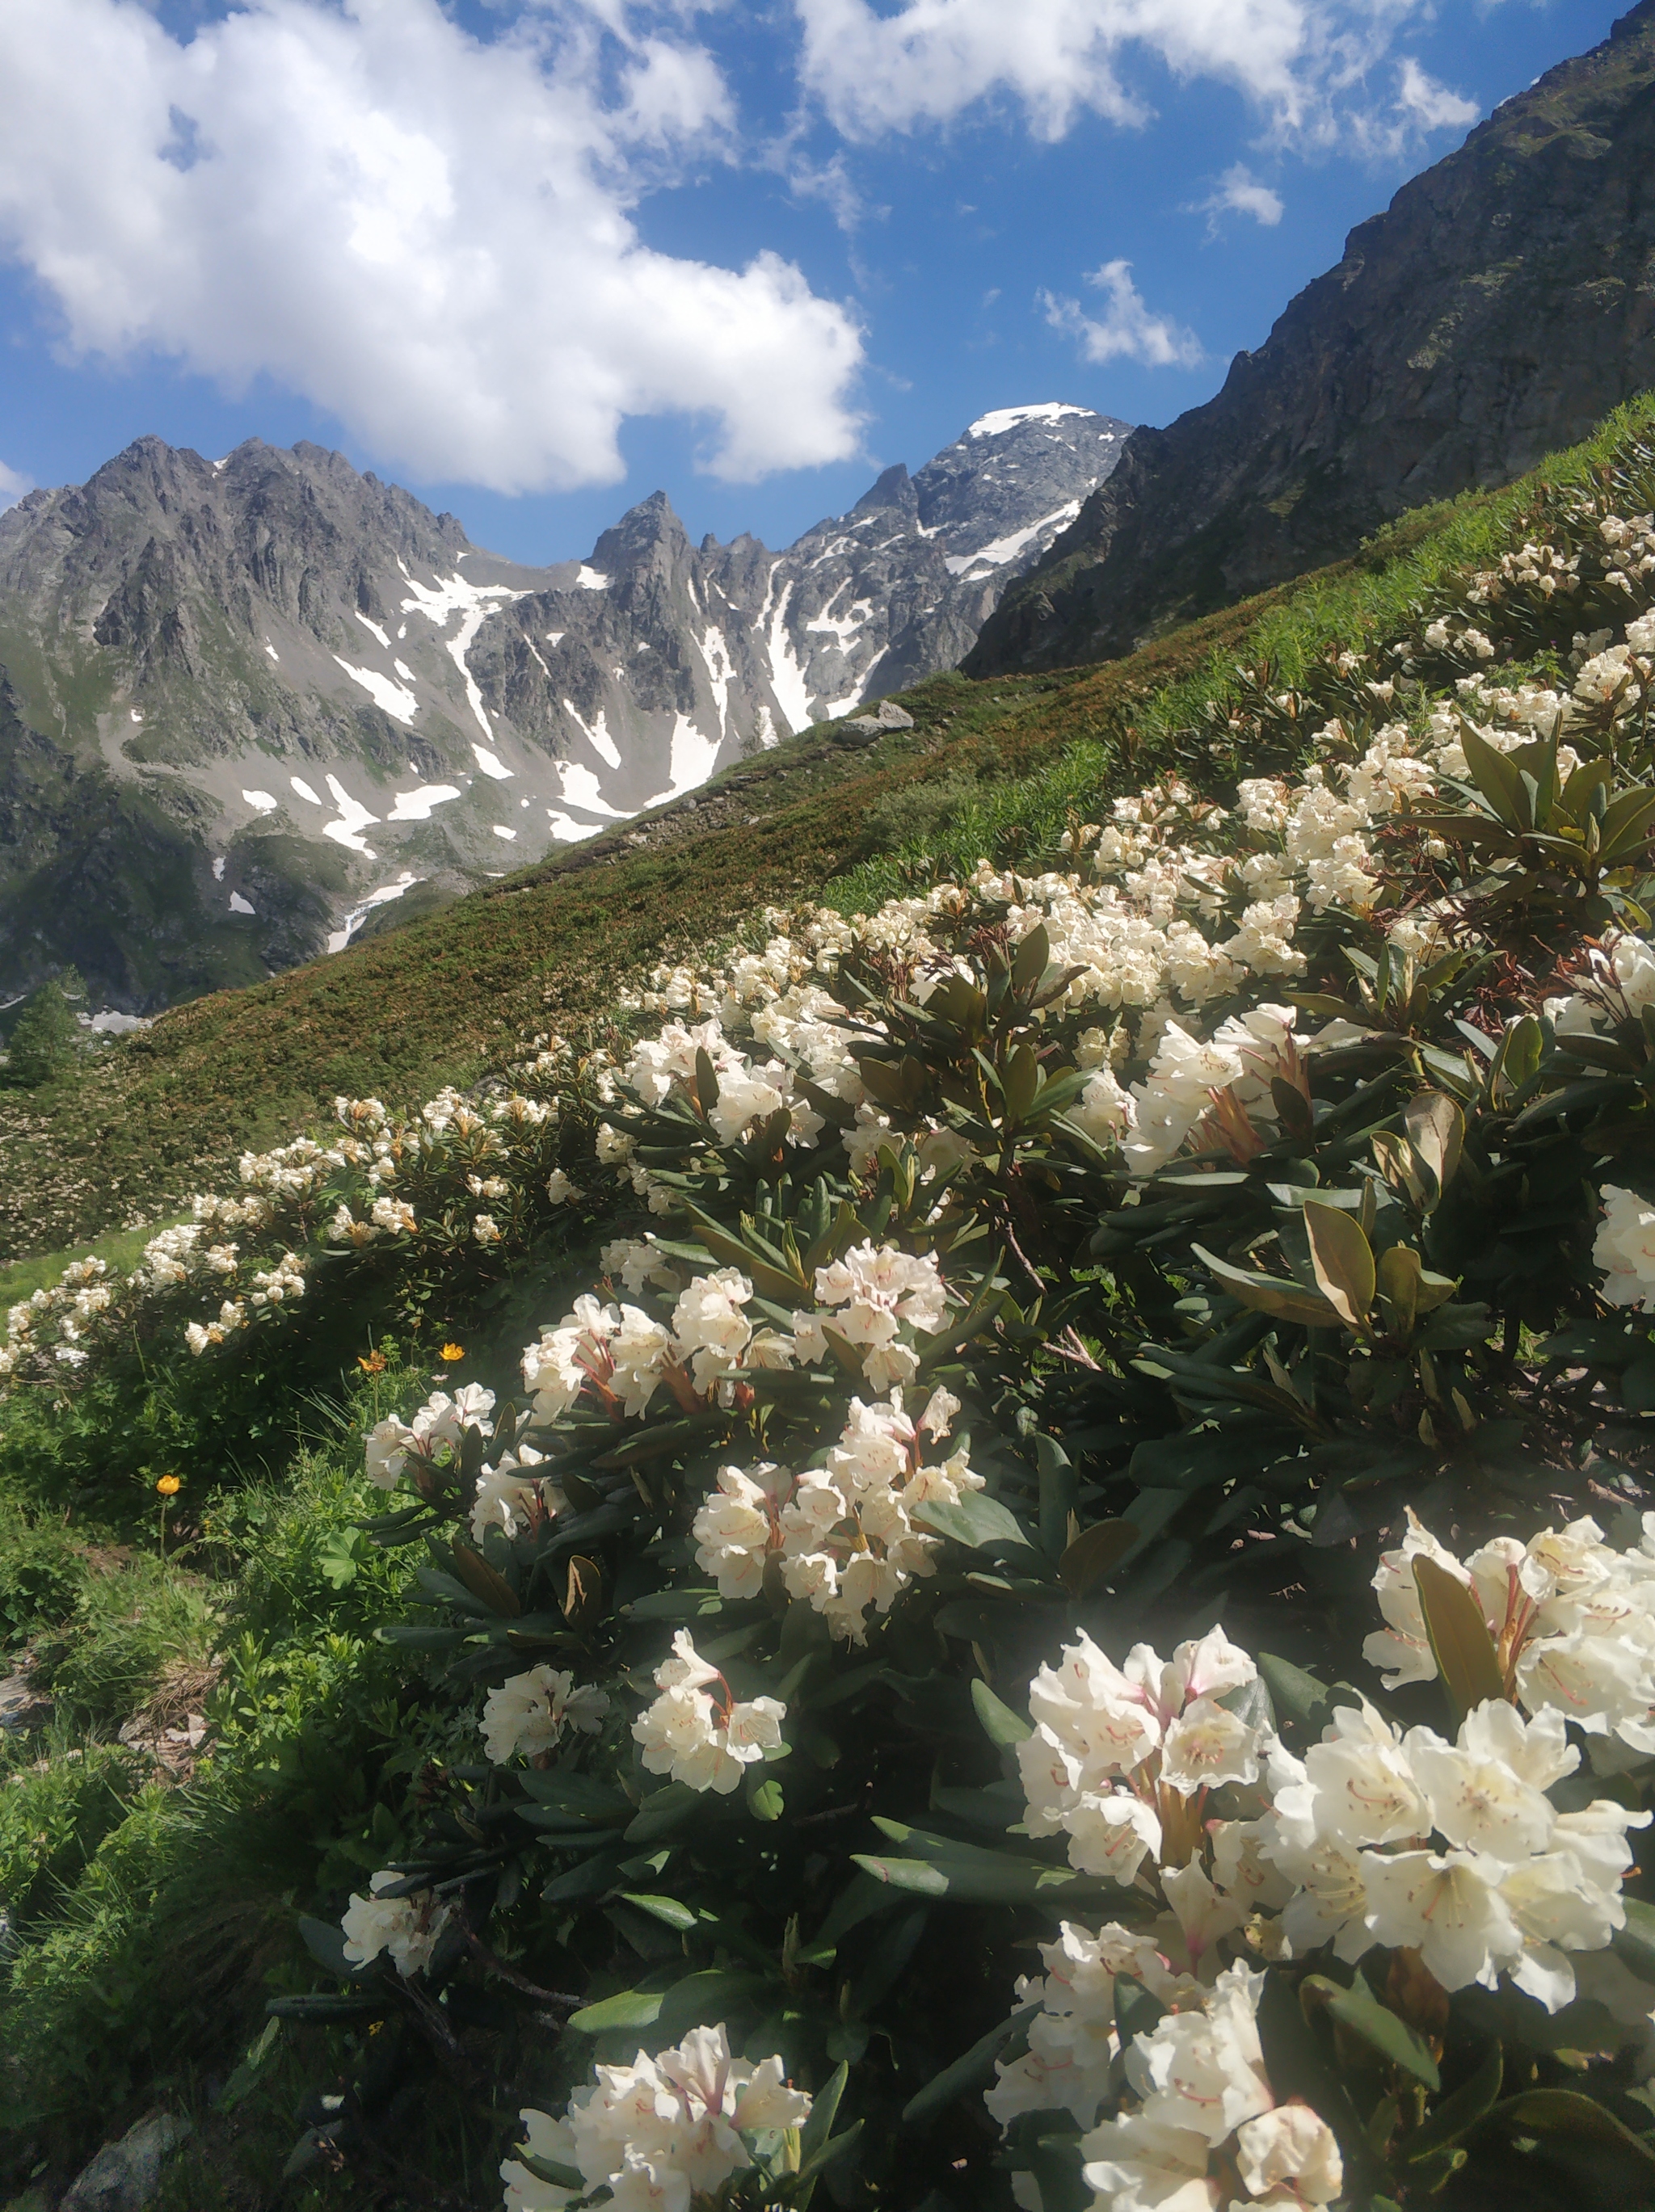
[
  {"x": 1126, "y": 330},
  {"x": 1421, "y": 106},
  {"x": 1302, "y": 62},
  {"x": 1431, "y": 105},
  {"x": 1239, "y": 192},
  {"x": 12, "y": 487},
  {"x": 929, "y": 59},
  {"x": 425, "y": 234}
]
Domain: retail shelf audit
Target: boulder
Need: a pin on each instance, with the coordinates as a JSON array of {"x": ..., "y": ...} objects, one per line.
[{"x": 126, "y": 2176}]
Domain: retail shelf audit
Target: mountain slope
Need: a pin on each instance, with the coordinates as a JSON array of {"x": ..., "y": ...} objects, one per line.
[
  {"x": 1504, "y": 303},
  {"x": 248, "y": 705},
  {"x": 1002, "y": 770}
]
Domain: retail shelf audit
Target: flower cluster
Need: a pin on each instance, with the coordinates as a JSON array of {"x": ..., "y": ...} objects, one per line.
[
  {"x": 1203, "y": 2119},
  {"x": 844, "y": 1534},
  {"x": 696, "y": 1732},
  {"x": 1450, "y": 1849},
  {"x": 667, "y": 2131},
  {"x": 1121, "y": 1759},
  {"x": 437, "y": 1429},
  {"x": 1572, "y": 1621},
  {"x": 526, "y": 1714},
  {"x": 407, "y": 1929}
]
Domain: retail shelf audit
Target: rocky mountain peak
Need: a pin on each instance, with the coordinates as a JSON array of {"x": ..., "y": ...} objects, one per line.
[{"x": 262, "y": 700}]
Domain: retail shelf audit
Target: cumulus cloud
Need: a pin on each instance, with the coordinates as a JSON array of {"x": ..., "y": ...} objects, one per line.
[
  {"x": 12, "y": 487},
  {"x": 428, "y": 236},
  {"x": 1302, "y": 62},
  {"x": 1239, "y": 192},
  {"x": 1126, "y": 330}
]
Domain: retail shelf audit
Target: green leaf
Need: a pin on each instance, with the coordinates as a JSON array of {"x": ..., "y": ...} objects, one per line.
[
  {"x": 805, "y": 2180},
  {"x": 1272, "y": 1294},
  {"x": 1059, "y": 1488},
  {"x": 1292, "y": 1692},
  {"x": 1635, "y": 1944},
  {"x": 975, "y": 1522},
  {"x": 1088, "y": 1560},
  {"x": 1500, "y": 784},
  {"x": 1459, "y": 2113},
  {"x": 544, "y": 2169},
  {"x": 1460, "y": 1641},
  {"x": 1625, "y": 822},
  {"x": 1137, "y": 2011},
  {"x": 1397, "y": 1280},
  {"x": 706, "y": 1081},
  {"x": 699, "y": 2000},
  {"x": 486, "y": 1582},
  {"x": 1032, "y": 958},
  {"x": 324, "y": 1940},
  {"x": 322, "y": 2009},
  {"x": 968, "y": 2071},
  {"x": 1361, "y": 2012},
  {"x": 1342, "y": 1259},
  {"x": 765, "y": 1798},
  {"x": 626, "y": 2010},
  {"x": 662, "y": 1811},
  {"x": 1000, "y": 1724},
  {"x": 1566, "y": 2112},
  {"x": 818, "y": 2129},
  {"x": 903, "y": 1873},
  {"x": 666, "y": 1909},
  {"x": 1436, "y": 1134},
  {"x": 972, "y": 1873}
]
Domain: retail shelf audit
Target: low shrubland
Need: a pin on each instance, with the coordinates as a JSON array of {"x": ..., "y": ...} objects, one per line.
[{"x": 993, "y": 1545}]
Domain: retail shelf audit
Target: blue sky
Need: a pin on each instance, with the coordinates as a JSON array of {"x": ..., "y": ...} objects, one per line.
[{"x": 534, "y": 261}]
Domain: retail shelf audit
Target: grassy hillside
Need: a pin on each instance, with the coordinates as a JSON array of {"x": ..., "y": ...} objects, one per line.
[{"x": 993, "y": 769}]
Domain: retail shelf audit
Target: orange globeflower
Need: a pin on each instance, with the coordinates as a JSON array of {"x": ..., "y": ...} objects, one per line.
[
  {"x": 452, "y": 1351},
  {"x": 169, "y": 1485}
]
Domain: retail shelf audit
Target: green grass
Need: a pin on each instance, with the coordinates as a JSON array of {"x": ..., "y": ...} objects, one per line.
[
  {"x": 117, "y": 1247},
  {"x": 991, "y": 768},
  {"x": 152, "y": 1910}
]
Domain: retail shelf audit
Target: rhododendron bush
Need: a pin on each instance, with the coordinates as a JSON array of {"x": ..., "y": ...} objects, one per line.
[{"x": 1039, "y": 1582}]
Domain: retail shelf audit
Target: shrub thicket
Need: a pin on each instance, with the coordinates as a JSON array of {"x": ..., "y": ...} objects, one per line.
[{"x": 1232, "y": 1232}]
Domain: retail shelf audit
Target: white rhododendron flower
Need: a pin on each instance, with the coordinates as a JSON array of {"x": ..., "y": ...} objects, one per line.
[
  {"x": 696, "y": 1732},
  {"x": 1624, "y": 1248},
  {"x": 409, "y": 1928},
  {"x": 711, "y": 1330},
  {"x": 527, "y": 1714},
  {"x": 509, "y": 1498},
  {"x": 870, "y": 1295},
  {"x": 439, "y": 1426},
  {"x": 1117, "y": 1752},
  {"x": 740, "y": 1526},
  {"x": 659, "y": 2132},
  {"x": 1575, "y": 1619},
  {"x": 848, "y": 1540}
]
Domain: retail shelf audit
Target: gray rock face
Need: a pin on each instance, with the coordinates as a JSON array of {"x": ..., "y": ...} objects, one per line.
[
  {"x": 247, "y": 706},
  {"x": 22, "y": 1707},
  {"x": 126, "y": 2176},
  {"x": 1503, "y": 305}
]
